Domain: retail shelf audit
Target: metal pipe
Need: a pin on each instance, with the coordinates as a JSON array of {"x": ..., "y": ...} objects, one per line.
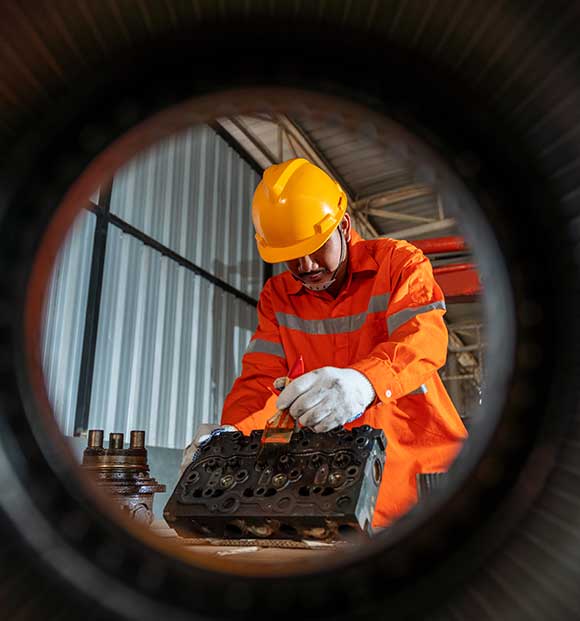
[
  {"x": 137, "y": 440},
  {"x": 439, "y": 245},
  {"x": 95, "y": 438},
  {"x": 455, "y": 267},
  {"x": 116, "y": 440}
]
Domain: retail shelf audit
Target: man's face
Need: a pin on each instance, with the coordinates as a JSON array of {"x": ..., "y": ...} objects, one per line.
[{"x": 317, "y": 268}]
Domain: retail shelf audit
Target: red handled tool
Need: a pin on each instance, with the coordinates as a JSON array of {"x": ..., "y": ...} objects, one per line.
[{"x": 280, "y": 427}]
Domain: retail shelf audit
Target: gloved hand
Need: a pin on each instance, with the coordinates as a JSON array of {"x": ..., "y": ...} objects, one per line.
[
  {"x": 204, "y": 434},
  {"x": 327, "y": 398}
]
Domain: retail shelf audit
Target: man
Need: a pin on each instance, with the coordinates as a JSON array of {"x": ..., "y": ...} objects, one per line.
[{"x": 367, "y": 317}]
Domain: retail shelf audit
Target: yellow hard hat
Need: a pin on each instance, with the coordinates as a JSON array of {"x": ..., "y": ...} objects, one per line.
[{"x": 295, "y": 209}]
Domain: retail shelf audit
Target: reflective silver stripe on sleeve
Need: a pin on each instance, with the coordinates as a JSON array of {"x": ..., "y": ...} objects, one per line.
[
  {"x": 398, "y": 319},
  {"x": 260, "y": 346},
  {"x": 336, "y": 325},
  {"x": 422, "y": 390}
]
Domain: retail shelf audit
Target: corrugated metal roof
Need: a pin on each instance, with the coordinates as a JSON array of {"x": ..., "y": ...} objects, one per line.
[{"x": 366, "y": 167}]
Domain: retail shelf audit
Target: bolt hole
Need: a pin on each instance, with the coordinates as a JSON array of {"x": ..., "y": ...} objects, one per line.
[
  {"x": 316, "y": 490},
  {"x": 232, "y": 530},
  {"x": 284, "y": 503},
  {"x": 352, "y": 471},
  {"x": 260, "y": 491},
  {"x": 288, "y": 530},
  {"x": 228, "y": 504},
  {"x": 327, "y": 491},
  {"x": 347, "y": 531},
  {"x": 377, "y": 471},
  {"x": 304, "y": 491},
  {"x": 248, "y": 492},
  {"x": 342, "y": 461},
  {"x": 270, "y": 492},
  {"x": 217, "y": 493}
]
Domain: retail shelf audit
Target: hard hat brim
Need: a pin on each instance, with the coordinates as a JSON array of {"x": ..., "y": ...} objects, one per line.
[{"x": 270, "y": 254}]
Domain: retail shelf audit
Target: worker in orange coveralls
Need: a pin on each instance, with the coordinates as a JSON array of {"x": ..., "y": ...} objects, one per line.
[{"x": 367, "y": 317}]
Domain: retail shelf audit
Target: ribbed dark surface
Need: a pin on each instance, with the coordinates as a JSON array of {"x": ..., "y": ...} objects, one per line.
[{"x": 523, "y": 58}]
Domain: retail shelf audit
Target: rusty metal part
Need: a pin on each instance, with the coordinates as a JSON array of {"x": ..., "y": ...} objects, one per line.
[
  {"x": 318, "y": 486},
  {"x": 122, "y": 473}
]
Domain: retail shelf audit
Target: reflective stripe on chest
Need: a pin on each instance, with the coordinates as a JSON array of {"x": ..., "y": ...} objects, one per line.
[{"x": 334, "y": 325}]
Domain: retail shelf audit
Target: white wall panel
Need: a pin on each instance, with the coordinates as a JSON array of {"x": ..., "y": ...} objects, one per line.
[
  {"x": 169, "y": 345},
  {"x": 64, "y": 319},
  {"x": 193, "y": 193},
  {"x": 169, "y": 342}
]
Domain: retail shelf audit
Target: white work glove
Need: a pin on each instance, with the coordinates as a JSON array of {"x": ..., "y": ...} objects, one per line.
[
  {"x": 204, "y": 434},
  {"x": 327, "y": 398}
]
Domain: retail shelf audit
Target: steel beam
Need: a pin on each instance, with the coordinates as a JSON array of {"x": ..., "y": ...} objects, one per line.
[
  {"x": 314, "y": 154},
  {"x": 361, "y": 222},
  {"x": 264, "y": 150},
  {"x": 423, "y": 229},
  {"x": 227, "y": 137},
  {"x": 396, "y": 215},
  {"x": 93, "y": 309},
  {"x": 393, "y": 197}
]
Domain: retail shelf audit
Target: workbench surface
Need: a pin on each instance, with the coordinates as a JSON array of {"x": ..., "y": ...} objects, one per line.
[{"x": 276, "y": 551}]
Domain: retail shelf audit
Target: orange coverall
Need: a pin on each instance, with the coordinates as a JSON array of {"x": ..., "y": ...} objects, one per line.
[{"x": 386, "y": 322}]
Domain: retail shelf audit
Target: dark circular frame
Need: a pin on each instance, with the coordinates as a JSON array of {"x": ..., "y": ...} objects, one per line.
[{"x": 512, "y": 184}]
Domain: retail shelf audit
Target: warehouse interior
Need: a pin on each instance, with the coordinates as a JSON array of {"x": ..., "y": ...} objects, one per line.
[{"x": 152, "y": 300}]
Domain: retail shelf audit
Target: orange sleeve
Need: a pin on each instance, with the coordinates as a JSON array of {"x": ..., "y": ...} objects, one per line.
[
  {"x": 252, "y": 399},
  {"x": 416, "y": 340}
]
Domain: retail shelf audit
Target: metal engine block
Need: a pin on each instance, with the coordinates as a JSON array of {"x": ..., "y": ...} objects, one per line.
[
  {"x": 319, "y": 486},
  {"x": 123, "y": 473}
]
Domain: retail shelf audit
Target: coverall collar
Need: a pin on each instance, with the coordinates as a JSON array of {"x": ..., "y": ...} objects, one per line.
[{"x": 359, "y": 260}]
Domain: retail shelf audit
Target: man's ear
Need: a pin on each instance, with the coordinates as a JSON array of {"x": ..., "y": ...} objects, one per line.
[{"x": 345, "y": 225}]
